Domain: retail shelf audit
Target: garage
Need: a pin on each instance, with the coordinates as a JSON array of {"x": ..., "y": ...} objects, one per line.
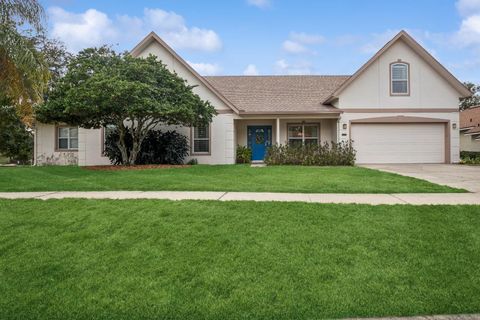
[{"x": 393, "y": 142}]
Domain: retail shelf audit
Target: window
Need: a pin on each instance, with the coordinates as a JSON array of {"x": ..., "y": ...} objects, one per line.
[
  {"x": 107, "y": 130},
  {"x": 302, "y": 134},
  {"x": 201, "y": 140},
  {"x": 67, "y": 138},
  {"x": 399, "y": 78}
]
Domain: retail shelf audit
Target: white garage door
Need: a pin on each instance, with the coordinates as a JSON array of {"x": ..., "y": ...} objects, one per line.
[{"x": 399, "y": 143}]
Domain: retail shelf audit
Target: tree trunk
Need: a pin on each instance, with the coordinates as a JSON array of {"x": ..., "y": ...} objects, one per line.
[
  {"x": 121, "y": 143},
  {"x": 138, "y": 134}
]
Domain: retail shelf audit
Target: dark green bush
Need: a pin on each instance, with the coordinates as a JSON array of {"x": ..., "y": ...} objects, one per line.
[
  {"x": 326, "y": 154},
  {"x": 469, "y": 155},
  {"x": 16, "y": 140},
  {"x": 244, "y": 154},
  {"x": 158, "y": 147}
]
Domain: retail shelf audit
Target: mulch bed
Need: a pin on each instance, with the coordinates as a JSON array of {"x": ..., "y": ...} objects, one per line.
[{"x": 136, "y": 167}]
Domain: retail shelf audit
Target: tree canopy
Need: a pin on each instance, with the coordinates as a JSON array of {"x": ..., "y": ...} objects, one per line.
[
  {"x": 474, "y": 100},
  {"x": 104, "y": 88},
  {"x": 25, "y": 74}
]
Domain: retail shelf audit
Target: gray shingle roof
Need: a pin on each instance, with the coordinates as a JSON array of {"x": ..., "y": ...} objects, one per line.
[{"x": 277, "y": 94}]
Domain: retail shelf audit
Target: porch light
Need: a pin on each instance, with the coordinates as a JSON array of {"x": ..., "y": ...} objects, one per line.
[{"x": 454, "y": 126}]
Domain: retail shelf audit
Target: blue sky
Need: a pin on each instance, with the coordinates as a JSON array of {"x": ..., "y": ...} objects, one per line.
[{"x": 276, "y": 36}]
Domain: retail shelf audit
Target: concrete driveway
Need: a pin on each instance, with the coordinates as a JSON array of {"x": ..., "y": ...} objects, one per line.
[{"x": 453, "y": 175}]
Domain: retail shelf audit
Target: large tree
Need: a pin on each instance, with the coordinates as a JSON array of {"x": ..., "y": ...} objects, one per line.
[
  {"x": 16, "y": 140},
  {"x": 473, "y": 100},
  {"x": 24, "y": 72},
  {"x": 104, "y": 88}
]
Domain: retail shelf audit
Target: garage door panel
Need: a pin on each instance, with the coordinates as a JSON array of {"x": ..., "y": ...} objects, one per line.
[{"x": 399, "y": 143}]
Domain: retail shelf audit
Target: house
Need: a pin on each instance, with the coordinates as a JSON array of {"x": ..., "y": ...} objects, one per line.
[
  {"x": 401, "y": 106},
  {"x": 470, "y": 129}
]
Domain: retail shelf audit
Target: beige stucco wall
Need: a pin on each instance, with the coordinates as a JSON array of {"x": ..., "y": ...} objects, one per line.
[
  {"x": 467, "y": 143},
  {"x": 372, "y": 88},
  {"x": 90, "y": 144},
  {"x": 45, "y": 152},
  {"x": 222, "y": 146},
  {"x": 453, "y": 117},
  {"x": 89, "y": 148}
]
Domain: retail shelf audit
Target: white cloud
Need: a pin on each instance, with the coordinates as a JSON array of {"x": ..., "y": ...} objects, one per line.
[
  {"x": 94, "y": 28},
  {"x": 298, "y": 68},
  {"x": 90, "y": 28},
  {"x": 251, "y": 70},
  {"x": 469, "y": 33},
  {"x": 305, "y": 38},
  {"x": 293, "y": 47},
  {"x": 260, "y": 3},
  {"x": 468, "y": 7},
  {"x": 298, "y": 42},
  {"x": 205, "y": 69}
]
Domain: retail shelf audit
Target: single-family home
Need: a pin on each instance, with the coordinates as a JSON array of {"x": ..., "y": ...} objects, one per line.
[
  {"x": 401, "y": 106},
  {"x": 470, "y": 129}
]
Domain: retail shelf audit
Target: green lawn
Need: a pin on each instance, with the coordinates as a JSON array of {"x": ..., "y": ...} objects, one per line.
[
  {"x": 216, "y": 178},
  {"x": 147, "y": 259}
]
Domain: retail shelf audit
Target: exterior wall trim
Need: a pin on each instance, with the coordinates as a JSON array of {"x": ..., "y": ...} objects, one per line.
[
  {"x": 57, "y": 149},
  {"x": 303, "y": 123},
  {"x": 399, "y": 61},
  {"x": 209, "y": 153}
]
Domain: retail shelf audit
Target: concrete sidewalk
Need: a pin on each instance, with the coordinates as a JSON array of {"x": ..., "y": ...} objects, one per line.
[{"x": 373, "y": 199}]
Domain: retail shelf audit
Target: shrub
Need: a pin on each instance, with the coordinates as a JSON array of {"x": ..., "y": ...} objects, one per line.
[
  {"x": 326, "y": 154},
  {"x": 16, "y": 140},
  {"x": 192, "y": 162},
  {"x": 468, "y": 160},
  {"x": 244, "y": 154},
  {"x": 158, "y": 147},
  {"x": 469, "y": 155}
]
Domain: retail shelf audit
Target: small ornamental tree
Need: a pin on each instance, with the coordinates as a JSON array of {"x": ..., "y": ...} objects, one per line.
[{"x": 104, "y": 88}]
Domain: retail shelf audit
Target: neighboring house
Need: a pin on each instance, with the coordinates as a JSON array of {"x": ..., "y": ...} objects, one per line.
[
  {"x": 400, "y": 107},
  {"x": 470, "y": 129}
]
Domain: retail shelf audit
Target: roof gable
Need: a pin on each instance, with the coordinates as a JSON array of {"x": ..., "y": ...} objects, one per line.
[
  {"x": 153, "y": 37},
  {"x": 418, "y": 49}
]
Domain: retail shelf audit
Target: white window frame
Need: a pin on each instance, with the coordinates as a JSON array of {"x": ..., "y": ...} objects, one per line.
[
  {"x": 303, "y": 138},
  {"x": 208, "y": 138},
  {"x": 69, "y": 138},
  {"x": 406, "y": 79}
]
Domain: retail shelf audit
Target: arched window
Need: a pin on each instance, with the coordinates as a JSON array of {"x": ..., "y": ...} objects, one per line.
[{"x": 399, "y": 78}]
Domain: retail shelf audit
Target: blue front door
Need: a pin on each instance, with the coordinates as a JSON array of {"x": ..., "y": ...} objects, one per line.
[{"x": 259, "y": 139}]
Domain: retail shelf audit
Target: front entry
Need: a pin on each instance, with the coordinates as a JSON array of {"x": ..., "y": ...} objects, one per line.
[{"x": 259, "y": 139}]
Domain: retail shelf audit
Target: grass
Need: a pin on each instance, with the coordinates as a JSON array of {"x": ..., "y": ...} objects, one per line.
[
  {"x": 147, "y": 259},
  {"x": 216, "y": 178}
]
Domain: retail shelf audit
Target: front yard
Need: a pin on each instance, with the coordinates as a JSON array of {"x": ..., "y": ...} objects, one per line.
[
  {"x": 216, "y": 178},
  {"x": 146, "y": 259}
]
